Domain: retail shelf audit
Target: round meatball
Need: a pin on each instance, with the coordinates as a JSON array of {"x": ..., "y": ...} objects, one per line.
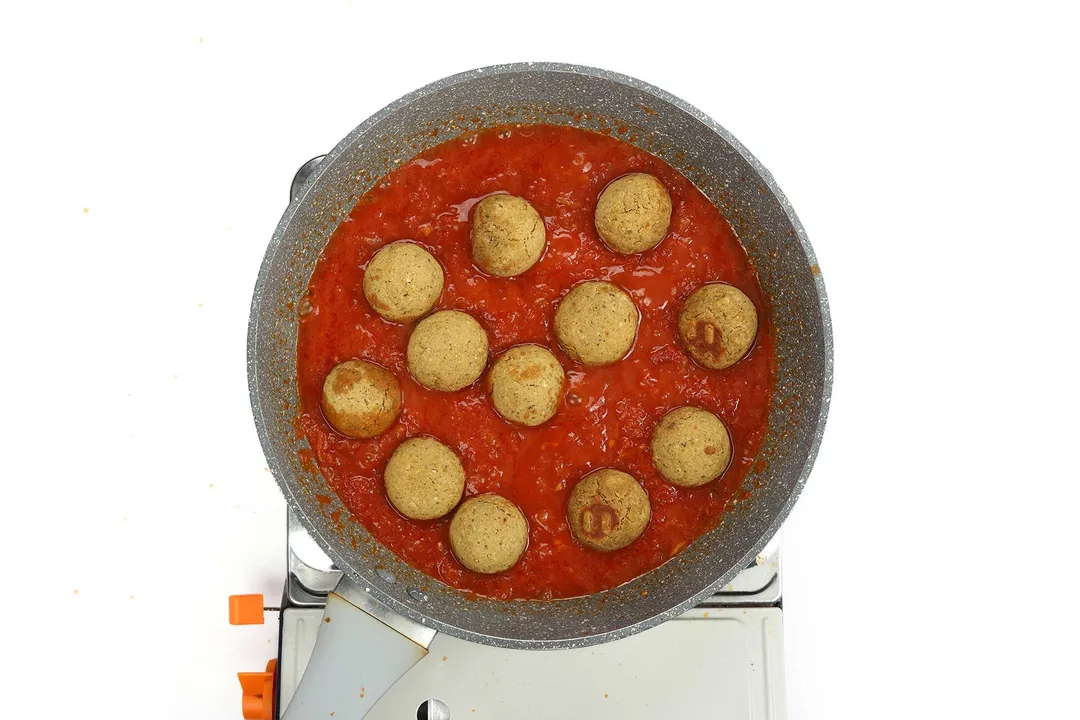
[
  {"x": 691, "y": 447},
  {"x": 488, "y": 534},
  {"x": 360, "y": 399},
  {"x": 596, "y": 323},
  {"x": 447, "y": 351},
  {"x": 633, "y": 213},
  {"x": 526, "y": 383},
  {"x": 608, "y": 510},
  {"x": 507, "y": 235},
  {"x": 424, "y": 479},
  {"x": 403, "y": 281},
  {"x": 718, "y": 325}
]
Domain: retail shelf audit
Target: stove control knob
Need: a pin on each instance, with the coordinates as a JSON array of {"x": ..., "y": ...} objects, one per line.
[
  {"x": 258, "y": 693},
  {"x": 246, "y": 609}
]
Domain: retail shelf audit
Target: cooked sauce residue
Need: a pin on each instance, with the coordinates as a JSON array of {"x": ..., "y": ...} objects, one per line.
[{"x": 607, "y": 415}]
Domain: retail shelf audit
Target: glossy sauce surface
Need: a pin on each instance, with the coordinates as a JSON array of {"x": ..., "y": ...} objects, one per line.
[{"x": 606, "y": 416}]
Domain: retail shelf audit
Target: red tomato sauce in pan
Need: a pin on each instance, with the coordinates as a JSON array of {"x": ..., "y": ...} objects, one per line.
[{"x": 607, "y": 414}]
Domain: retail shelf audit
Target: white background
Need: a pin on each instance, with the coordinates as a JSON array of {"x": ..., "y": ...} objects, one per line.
[{"x": 930, "y": 150}]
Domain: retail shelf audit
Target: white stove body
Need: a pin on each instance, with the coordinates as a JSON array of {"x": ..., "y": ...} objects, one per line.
[{"x": 722, "y": 659}]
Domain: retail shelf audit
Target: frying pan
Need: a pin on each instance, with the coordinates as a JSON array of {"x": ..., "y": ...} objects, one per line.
[{"x": 723, "y": 170}]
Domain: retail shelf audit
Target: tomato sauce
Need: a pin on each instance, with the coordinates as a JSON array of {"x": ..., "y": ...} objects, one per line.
[{"x": 607, "y": 414}]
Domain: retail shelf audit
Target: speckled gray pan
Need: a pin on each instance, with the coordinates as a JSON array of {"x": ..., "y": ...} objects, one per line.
[{"x": 723, "y": 169}]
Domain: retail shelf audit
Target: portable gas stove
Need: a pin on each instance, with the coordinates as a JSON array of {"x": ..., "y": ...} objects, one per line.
[{"x": 721, "y": 659}]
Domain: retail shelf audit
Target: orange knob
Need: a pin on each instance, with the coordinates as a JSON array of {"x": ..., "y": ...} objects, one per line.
[
  {"x": 245, "y": 609},
  {"x": 257, "y": 702}
]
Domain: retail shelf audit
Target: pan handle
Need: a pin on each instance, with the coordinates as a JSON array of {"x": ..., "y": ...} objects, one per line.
[{"x": 362, "y": 649}]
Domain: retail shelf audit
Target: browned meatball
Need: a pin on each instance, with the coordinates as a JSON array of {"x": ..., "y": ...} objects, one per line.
[
  {"x": 633, "y": 213},
  {"x": 526, "y": 384},
  {"x": 360, "y": 399},
  {"x": 488, "y": 534},
  {"x": 403, "y": 281},
  {"x": 507, "y": 236},
  {"x": 447, "y": 351},
  {"x": 596, "y": 323},
  {"x": 424, "y": 479},
  {"x": 608, "y": 510},
  {"x": 691, "y": 447},
  {"x": 718, "y": 325}
]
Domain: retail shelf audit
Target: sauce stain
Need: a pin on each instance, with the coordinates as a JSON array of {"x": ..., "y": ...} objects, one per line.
[{"x": 598, "y": 520}]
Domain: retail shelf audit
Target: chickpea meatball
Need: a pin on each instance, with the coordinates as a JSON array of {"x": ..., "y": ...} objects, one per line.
[
  {"x": 718, "y": 325},
  {"x": 596, "y": 323},
  {"x": 507, "y": 235},
  {"x": 403, "y": 281},
  {"x": 424, "y": 479},
  {"x": 360, "y": 399},
  {"x": 488, "y": 534},
  {"x": 526, "y": 383},
  {"x": 447, "y": 351},
  {"x": 633, "y": 213},
  {"x": 691, "y": 447},
  {"x": 608, "y": 510}
]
